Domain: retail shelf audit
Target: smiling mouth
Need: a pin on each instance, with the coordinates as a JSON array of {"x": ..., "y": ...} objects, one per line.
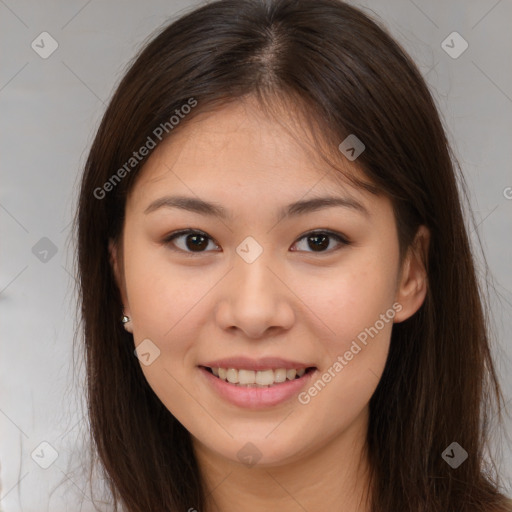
[{"x": 258, "y": 378}]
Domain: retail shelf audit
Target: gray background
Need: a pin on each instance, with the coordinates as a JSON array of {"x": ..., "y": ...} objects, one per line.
[{"x": 50, "y": 109}]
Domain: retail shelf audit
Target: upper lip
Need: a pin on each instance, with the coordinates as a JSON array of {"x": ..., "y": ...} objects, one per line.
[{"x": 264, "y": 363}]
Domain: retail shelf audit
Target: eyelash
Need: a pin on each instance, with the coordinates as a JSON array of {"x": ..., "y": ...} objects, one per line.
[{"x": 172, "y": 236}]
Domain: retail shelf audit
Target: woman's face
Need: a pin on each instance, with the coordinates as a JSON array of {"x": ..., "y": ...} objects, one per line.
[{"x": 255, "y": 293}]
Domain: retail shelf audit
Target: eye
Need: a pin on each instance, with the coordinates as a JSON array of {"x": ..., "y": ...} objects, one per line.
[
  {"x": 320, "y": 240},
  {"x": 195, "y": 241}
]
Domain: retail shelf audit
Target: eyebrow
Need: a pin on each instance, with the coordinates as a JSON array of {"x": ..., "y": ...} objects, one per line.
[{"x": 196, "y": 205}]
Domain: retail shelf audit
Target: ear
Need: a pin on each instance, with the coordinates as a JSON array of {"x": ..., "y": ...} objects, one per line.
[
  {"x": 116, "y": 262},
  {"x": 413, "y": 280}
]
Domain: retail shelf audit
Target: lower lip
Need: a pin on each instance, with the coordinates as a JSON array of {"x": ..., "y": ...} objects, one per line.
[{"x": 257, "y": 398}]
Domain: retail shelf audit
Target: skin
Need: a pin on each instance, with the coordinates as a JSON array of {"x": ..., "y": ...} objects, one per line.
[{"x": 297, "y": 304}]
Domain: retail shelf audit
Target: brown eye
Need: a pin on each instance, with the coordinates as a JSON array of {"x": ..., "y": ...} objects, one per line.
[
  {"x": 194, "y": 242},
  {"x": 189, "y": 241},
  {"x": 319, "y": 241}
]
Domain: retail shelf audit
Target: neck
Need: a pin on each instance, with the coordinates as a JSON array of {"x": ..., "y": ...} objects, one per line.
[{"x": 333, "y": 476}]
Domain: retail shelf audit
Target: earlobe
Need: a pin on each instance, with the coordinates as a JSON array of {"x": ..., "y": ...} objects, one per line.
[
  {"x": 127, "y": 323},
  {"x": 413, "y": 284},
  {"x": 117, "y": 270},
  {"x": 113, "y": 258}
]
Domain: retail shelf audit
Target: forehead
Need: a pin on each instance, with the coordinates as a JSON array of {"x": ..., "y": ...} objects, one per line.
[{"x": 239, "y": 148}]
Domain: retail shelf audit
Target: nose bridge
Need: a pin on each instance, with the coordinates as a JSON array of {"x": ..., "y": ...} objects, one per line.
[
  {"x": 252, "y": 275},
  {"x": 253, "y": 299}
]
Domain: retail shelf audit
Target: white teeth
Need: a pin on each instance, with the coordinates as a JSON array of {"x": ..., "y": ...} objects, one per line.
[
  {"x": 232, "y": 375},
  {"x": 280, "y": 375},
  {"x": 265, "y": 377},
  {"x": 260, "y": 378},
  {"x": 246, "y": 376}
]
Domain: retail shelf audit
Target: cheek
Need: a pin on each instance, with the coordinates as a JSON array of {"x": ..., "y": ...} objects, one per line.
[
  {"x": 356, "y": 305},
  {"x": 167, "y": 302},
  {"x": 351, "y": 298}
]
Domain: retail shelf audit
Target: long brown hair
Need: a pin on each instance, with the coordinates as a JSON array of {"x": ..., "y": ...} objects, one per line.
[{"x": 345, "y": 72}]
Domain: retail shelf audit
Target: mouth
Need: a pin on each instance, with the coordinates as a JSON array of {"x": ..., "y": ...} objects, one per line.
[
  {"x": 256, "y": 383},
  {"x": 264, "y": 378}
]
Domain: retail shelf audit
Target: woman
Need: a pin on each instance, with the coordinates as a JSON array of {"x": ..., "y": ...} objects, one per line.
[{"x": 279, "y": 301}]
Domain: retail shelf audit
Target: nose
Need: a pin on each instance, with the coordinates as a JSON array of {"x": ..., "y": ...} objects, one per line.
[{"x": 255, "y": 300}]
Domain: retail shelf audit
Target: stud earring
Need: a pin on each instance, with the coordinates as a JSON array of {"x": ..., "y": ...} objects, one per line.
[{"x": 127, "y": 323}]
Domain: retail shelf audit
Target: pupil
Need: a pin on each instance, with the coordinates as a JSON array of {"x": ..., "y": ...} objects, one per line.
[
  {"x": 324, "y": 244},
  {"x": 195, "y": 244}
]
